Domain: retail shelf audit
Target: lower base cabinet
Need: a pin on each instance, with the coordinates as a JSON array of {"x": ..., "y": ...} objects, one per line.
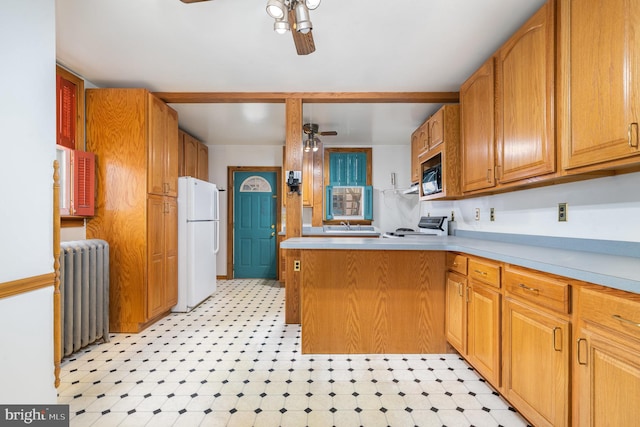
[
  {"x": 536, "y": 364},
  {"x": 607, "y": 359},
  {"x": 483, "y": 331}
]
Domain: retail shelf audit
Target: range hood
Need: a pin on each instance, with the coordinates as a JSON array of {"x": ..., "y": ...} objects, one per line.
[{"x": 412, "y": 190}]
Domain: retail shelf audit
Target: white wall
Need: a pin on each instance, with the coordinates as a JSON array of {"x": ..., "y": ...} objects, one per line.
[
  {"x": 604, "y": 208},
  {"x": 391, "y": 208},
  {"x": 27, "y": 120}
]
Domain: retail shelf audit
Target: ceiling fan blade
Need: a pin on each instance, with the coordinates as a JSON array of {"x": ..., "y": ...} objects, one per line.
[
  {"x": 304, "y": 42},
  {"x": 192, "y": 1},
  {"x": 328, "y": 133}
]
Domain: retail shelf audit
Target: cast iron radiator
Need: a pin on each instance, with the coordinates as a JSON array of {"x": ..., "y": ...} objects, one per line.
[{"x": 84, "y": 293}]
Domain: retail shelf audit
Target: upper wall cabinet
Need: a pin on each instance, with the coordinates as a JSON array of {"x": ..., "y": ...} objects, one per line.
[
  {"x": 439, "y": 163},
  {"x": 525, "y": 65},
  {"x": 508, "y": 135},
  {"x": 599, "y": 96},
  {"x": 477, "y": 129},
  {"x": 193, "y": 157}
]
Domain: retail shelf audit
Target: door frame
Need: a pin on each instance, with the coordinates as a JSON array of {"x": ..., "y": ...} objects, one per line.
[{"x": 230, "y": 212}]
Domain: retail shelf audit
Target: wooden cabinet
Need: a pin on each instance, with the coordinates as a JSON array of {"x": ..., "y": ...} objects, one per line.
[
  {"x": 415, "y": 154},
  {"x": 135, "y": 139},
  {"x": 525, "y": 66},
  {"x": 473, "y": 313},
  {"x": 162, "y": 254},
  {"x": 162, "y": 154},
  {"x": 444, "y": 150},
  {"x": 536, "y": 349},
  {"x": 483, "y": 331},
  {"x": 507, "y": 110},
  {"x": 477, "y": 129},
  {"x": 193, "y": 157},
  {"x": 202, "y": 168},
  {"x": 599, "y": 92},
  {"x": 607, "y": 358}
]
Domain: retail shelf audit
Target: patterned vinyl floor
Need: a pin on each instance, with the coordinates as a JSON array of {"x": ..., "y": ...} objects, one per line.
[{"x": 233, "y": 362}]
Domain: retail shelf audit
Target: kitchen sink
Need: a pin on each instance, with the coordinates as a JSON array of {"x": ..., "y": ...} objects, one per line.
[{"x": 355, "y": 229}]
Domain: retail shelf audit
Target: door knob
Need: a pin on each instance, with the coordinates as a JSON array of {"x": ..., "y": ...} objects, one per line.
[
  {"x": 273, "y": 226},
  {"x": 273, "y": 233}
]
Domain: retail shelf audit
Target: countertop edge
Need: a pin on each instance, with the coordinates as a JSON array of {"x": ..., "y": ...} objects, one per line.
[{"x": 612, "y": 271}]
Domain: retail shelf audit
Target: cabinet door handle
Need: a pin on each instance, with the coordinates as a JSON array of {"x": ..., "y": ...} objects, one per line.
[
  {"x": 489, "y": 175},
  {"x": 527, "y": 288},
  {"x": 483, "y": 273},
  {"x": 459, "y": 289},
  {"x": 627, "y": 321},
  {"x": 555, "y": 339},
  {"x": 468, "y": 295},
  {"x": 579, "y": 351},
  {"x": 631, "y": 133}
]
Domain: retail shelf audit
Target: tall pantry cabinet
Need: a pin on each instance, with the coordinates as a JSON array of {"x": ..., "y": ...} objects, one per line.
[{"x": 135, "y": 138}]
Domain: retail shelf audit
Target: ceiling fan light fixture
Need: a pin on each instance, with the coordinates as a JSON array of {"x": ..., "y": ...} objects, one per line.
[
  {"x": 281, "y": 25},
  {"x": 312, "y": 4},
  {"x": 316, "y": 141},
  {"x": 276, "y": 9},
  {"x": 307, "y": 145},
  {"x": 303, "y": 22}
]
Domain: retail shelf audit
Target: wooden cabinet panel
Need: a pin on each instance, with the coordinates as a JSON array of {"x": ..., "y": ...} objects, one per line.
[
  {"x": 485, "y": 271},
  {"x": 536, "y": 364},
  {"x": 415, "y": 153},
  {"x": 607, "y": 358},
  {"x": 140, "y": 226},
  {"x": 190, "y": 155},
  {"x": 477, "y": 129},
  {"x": 525, "y": 66},
  {"x": 436, "y": 129},
  {"x": 162, "y": 172},
  {"x": 456, "y": 311},
  {"x": 540, "y": 289},
  {"x": 600, "y": 92},
  {"x": 307, "y": 179},
  {"x": 607, "y": 379},
  {"x": 457, "y": 262},
  {"x": 483, "y": 328},
  {"x": 202, "y": 169}
]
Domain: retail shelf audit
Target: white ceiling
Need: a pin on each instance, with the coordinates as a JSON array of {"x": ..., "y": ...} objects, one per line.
[{"x": 230, "y": 46}]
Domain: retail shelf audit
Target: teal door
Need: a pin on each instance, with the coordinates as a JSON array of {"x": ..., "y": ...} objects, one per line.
[{"x": 254, "y": 229}]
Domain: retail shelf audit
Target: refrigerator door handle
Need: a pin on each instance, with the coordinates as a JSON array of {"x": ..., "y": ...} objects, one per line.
[{"x": 216, "y": 231}]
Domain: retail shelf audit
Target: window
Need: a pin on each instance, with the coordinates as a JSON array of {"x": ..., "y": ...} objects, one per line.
[
  {"x": 77, "y": 167},
  {"x": 347, "y": 180}
]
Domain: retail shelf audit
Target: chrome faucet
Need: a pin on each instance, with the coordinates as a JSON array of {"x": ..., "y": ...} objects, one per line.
[{"x": 346, "y": 224}]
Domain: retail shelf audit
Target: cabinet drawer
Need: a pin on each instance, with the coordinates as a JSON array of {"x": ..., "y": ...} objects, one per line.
[
  {"x": 485, "y": 271},
  {"x": 539, "y": 289},
  {"x": 457, "y": 263},
  {"x": 614, "y": 309}
]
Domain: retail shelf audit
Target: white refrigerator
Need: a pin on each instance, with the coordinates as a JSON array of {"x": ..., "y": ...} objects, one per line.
[{"x": 198, "y": 241}]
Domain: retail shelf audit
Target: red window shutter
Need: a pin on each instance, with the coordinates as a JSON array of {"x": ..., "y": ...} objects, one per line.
[
  {"x": 84, "y": 165},
  {"x": 66, "y": 111}
]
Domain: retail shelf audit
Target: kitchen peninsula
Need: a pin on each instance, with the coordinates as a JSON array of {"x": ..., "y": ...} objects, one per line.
[{"x": 388, "y": 295}]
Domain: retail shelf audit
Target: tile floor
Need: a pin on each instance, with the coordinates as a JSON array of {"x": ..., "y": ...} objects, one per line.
[{"x": 233, "y": 362}]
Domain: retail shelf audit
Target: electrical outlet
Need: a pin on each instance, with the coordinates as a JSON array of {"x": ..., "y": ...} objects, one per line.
[
  {"x": 562, "y": 212},
  {"x": 296, "y": 265},
  {"x": 477, "y": 214},
  {"x": 492, "y": 214}
]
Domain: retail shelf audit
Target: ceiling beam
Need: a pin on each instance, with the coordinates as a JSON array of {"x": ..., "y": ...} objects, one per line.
[{"x": 309, "y": 97}]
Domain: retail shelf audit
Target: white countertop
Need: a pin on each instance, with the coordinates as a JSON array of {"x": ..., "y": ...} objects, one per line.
[{"x": 619, "y": 272}]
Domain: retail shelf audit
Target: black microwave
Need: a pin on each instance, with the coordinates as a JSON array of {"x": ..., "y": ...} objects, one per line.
[{"x": 432, "y": 180}]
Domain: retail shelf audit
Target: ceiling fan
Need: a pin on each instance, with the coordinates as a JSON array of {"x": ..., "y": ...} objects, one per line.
[
  {"x": 291, "y": 14},
  {"x": 312, "y": 141}
]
